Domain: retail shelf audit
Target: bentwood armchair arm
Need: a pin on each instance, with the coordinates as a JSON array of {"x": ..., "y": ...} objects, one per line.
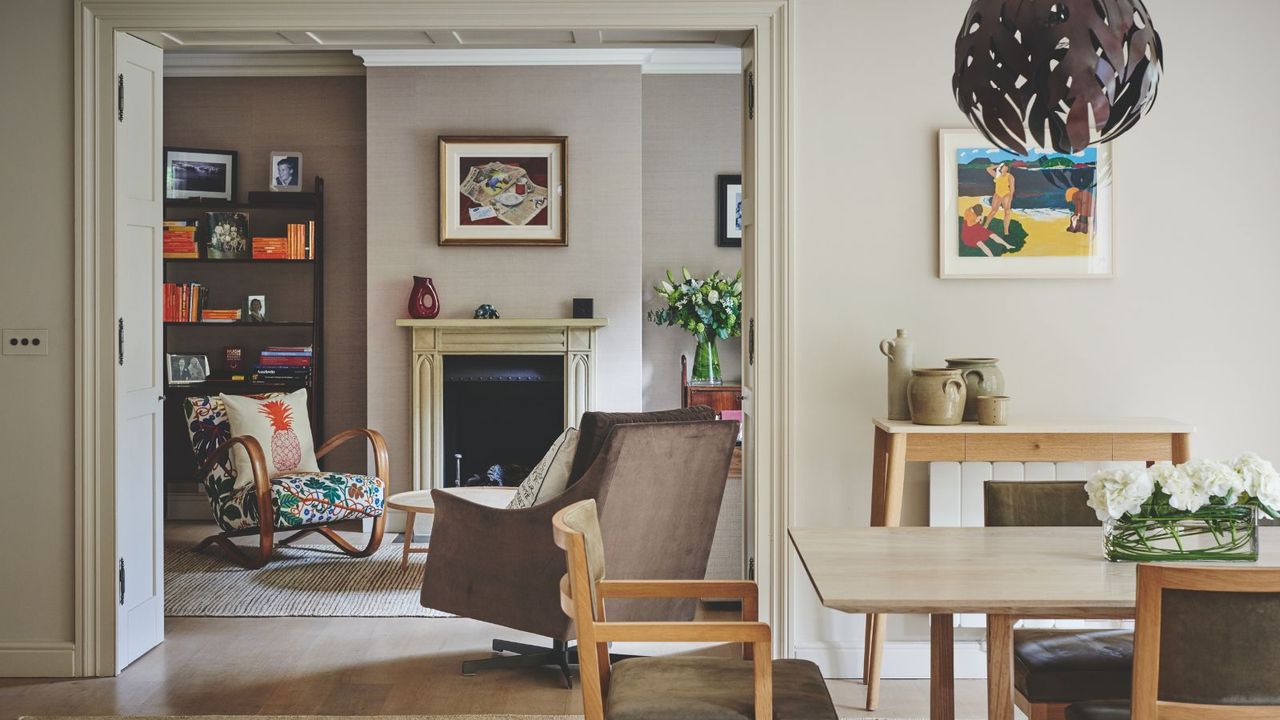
[{"x": 381, "y": 456}]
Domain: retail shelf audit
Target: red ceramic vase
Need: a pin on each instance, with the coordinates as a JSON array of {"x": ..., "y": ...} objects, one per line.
[{"x": 424, "y": 304}]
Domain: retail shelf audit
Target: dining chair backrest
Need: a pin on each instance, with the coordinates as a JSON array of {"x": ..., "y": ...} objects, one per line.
[
  {"x": 1207, "y": 643},
  {"x": 1053, "y": 503},
  {"x": 577, "y": 532}
]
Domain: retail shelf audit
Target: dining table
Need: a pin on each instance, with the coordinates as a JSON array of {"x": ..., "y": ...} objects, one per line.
[{"x": 1005, "y": 573}]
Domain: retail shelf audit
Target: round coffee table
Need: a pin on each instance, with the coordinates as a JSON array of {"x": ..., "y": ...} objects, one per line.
[{"x": 419, "y": 501}]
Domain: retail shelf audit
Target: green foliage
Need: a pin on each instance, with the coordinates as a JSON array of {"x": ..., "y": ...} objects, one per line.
[{"x": 710, "y": 307}]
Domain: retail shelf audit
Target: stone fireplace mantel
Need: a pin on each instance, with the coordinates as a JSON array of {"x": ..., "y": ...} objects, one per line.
[{"x": 573, "y": 339}]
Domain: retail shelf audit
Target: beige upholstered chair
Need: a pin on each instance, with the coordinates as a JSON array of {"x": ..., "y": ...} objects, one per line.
[
  {"x": 1053, "y": 668},
  {"x": 1206, "y": 647},
  {"x": 683, "y": 688}
]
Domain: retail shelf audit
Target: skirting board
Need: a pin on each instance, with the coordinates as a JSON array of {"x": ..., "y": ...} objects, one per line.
[
  {"x": 902, "y": 659},
  {"x": 186, "y": 506},
  {"x": 37, "y": 659}
]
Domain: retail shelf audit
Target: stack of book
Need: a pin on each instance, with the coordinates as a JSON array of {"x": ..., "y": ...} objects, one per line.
[
  {"x": 298, "y": 244},
  {"x": 184, "y": 301},
  {"x": 219, "y": 316},
  {"x": 284, "y": 364},
  {"x": 180, "y": 239}
]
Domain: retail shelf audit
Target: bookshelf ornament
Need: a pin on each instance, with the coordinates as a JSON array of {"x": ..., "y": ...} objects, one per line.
[{"x": 1064, "y": 74}]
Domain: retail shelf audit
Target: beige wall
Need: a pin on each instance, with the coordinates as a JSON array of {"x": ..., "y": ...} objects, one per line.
[
  {"x": 1185, "y": 330},
  {"x": 692, "y": 132},
  {"x": 598, "y": 109},
  {"x": 322, "y": 118},
  {"x": 36, "y": 273}
]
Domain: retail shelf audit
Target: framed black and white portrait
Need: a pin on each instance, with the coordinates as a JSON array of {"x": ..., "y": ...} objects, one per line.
[
  {"x": 729, "y": 211},
  {"x": 255, "y": 308},
  {"x": 192, "y": 173},
  {"x": 186, "y": 369},
  {"x": 286, "y": 171}
]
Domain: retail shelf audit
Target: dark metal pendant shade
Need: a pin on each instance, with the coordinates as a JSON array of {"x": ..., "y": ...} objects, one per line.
[{"x": 1064, "y": 74}]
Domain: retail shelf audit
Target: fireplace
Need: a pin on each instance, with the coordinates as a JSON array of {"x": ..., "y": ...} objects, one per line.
[{"x": 500, "y": 414}]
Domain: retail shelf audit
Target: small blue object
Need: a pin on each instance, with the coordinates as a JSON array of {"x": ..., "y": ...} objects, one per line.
[{"x": 486, "y": 312}]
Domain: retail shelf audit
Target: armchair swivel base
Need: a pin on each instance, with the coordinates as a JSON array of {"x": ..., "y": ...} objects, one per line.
[{"x": 526, "y": 656}]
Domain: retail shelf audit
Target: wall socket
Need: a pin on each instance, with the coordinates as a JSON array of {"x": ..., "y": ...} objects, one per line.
[{"x": 24, "y": 342}]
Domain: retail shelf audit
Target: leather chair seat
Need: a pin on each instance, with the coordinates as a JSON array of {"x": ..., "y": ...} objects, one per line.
[
  {"x": 1062, "y": 666},
  {"x": 705, "y": 688},
  {"x": 1099, "y": 710}
]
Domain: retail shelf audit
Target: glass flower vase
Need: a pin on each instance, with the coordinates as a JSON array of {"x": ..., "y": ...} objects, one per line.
[
  {"x": 706, "y": 363},
  {"x": 1214, "y": 532}
]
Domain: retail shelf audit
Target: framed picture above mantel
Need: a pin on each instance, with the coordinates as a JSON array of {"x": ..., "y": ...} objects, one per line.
[{"x": 502, "y": 191}]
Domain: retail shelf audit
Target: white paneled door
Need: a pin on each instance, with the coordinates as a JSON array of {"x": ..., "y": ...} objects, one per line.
[
  {"x": 139, "y": 376},
  {"x": 748, "y": 313}
]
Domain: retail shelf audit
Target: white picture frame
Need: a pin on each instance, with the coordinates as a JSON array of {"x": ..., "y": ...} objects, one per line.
[
  {"x": 284, "y": 163},
  {"x": 1058, "y": 242},
  {"x": 183, "y": 369}
]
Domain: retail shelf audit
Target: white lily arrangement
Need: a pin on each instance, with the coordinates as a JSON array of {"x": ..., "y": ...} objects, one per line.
[{"x": 1199, "y": 510}]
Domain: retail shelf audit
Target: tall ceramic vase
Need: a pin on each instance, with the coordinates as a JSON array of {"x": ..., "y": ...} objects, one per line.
[
  {"x": 424, "y": 304},
  {"x": 901, "y": 353}
]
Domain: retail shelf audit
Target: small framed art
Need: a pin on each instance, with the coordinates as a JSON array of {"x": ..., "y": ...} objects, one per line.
[
  {"x": 1042, "y": 215},
  {"x": 286, "y": 171},
  {"x": 186, "y": 369},
  {"x": 502, "y": 191},
  {"x": 255, "y": 308},
  {"x": 192, "y": 173},
  {"x": 729, "y": 210}
]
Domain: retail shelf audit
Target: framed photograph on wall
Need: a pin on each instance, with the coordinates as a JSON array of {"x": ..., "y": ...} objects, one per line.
[
  {"x": 729, "y": 210},
  {"x": 1042, "y": 215},
  {"x": 286, "y": 171},
  {"x": 502, "y": 191},
  {"x": 192, "y": 173},
  {"x": 186, "y": 369}
]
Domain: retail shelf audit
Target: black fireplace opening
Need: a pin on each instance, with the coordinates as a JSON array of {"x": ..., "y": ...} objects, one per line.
[{"x": 501, "y": 413}]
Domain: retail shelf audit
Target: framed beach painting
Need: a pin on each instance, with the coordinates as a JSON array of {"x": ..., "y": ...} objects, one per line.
[
  {"x": 1042, "y": 215},
  {"x": 502, "y": 191}
]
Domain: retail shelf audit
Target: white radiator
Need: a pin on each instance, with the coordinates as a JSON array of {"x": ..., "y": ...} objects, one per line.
[{"x": 956, "y": 500}]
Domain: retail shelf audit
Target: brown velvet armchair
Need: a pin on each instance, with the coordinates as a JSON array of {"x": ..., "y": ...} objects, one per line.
[{"x": 659, "y": 480}]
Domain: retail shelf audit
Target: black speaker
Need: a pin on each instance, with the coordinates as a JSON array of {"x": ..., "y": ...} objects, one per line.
[{"x": 584, "y": 307}]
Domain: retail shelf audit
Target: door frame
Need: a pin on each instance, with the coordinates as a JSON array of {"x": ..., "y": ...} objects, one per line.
[{"x": 96, "y": 22}]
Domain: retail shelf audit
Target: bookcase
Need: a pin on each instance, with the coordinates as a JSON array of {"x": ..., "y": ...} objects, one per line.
[{"x": 294, "y": 294}]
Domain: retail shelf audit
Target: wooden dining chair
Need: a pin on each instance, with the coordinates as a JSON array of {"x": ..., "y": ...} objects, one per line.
[
  {"x": 1054, "y": 667},
  {"x": 1206, "y": 647},
  {"x": 683, "y": 687}
]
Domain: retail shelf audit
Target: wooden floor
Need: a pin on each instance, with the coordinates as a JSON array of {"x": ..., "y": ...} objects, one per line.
[{"x": 356, "y": 666}]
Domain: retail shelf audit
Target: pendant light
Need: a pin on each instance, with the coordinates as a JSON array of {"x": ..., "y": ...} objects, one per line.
[{"x": 1061, "y": 74}]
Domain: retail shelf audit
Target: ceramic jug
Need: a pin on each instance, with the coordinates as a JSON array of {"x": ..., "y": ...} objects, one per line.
[
  {"x": 982, "y": 377},
  {"x": 936, "y": 396},
  {"x": 901, "y": 351},
  {"x": 424, "y": 303}
]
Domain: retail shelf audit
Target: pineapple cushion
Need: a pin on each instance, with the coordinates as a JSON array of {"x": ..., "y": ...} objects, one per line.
[{"x": 280, "y": 426}]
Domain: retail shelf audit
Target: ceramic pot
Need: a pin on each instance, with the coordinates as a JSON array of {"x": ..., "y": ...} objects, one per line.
[
  {"x": 900, "y": 350},
  {"x": 993, "y": 410},
  {"x": 424, "y": 304},
  {"x": 936, "y": 396},
  {"x": 982, "y": 377}
]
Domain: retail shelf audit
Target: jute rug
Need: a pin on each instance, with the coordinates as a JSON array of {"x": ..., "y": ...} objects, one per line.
[
  {"x": 300, "y": 581},
  {"x": 328, "y": 717}
]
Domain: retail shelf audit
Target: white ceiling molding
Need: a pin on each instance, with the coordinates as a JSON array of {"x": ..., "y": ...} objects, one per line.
[
  {"x": 261, "y": 64},
  {"x": 684, "y": 61}
]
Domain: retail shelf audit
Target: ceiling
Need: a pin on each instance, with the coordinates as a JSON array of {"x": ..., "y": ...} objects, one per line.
[{"x": 240, "y": 40}]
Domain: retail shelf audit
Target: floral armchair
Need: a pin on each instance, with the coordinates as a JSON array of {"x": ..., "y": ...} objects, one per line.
[{"x": 302, "y": 502}]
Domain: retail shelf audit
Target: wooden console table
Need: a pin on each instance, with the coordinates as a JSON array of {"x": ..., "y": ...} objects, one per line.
[{"x": 898, "y": 442}]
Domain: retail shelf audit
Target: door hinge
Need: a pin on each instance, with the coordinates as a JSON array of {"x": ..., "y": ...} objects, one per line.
[
  {"x": 121, "y": 581},
  {"x": 751, "y": 568},
  {"x": 751, "y": 342},
  {"x": 751, "y": 95},
  {"x": 120, "y": 97},
  {"x": 120, "y": 341}
]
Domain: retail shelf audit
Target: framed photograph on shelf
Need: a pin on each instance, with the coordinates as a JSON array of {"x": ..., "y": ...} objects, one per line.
[
  {"x": 192, "y": 173},
  {"x": 729, "y": 211},
  {"x": 502, "y": 191},
  {"x": 228, "y": 236},
  {"x": 186, "y": 369},
  {"x": 255, "y": 308},
  {"x": 286, "y": 171},
  {"x": 1042, "y": 215}
]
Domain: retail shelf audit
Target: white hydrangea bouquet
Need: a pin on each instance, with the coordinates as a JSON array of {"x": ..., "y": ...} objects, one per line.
[{"x": 1200, "y": 510}]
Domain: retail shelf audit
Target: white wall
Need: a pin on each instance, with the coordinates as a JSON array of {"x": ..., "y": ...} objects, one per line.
[
  {"x": 1186, "y": 330},
  {"x": 692, "y": 132},
  {"x": 36, "y": 274}
]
